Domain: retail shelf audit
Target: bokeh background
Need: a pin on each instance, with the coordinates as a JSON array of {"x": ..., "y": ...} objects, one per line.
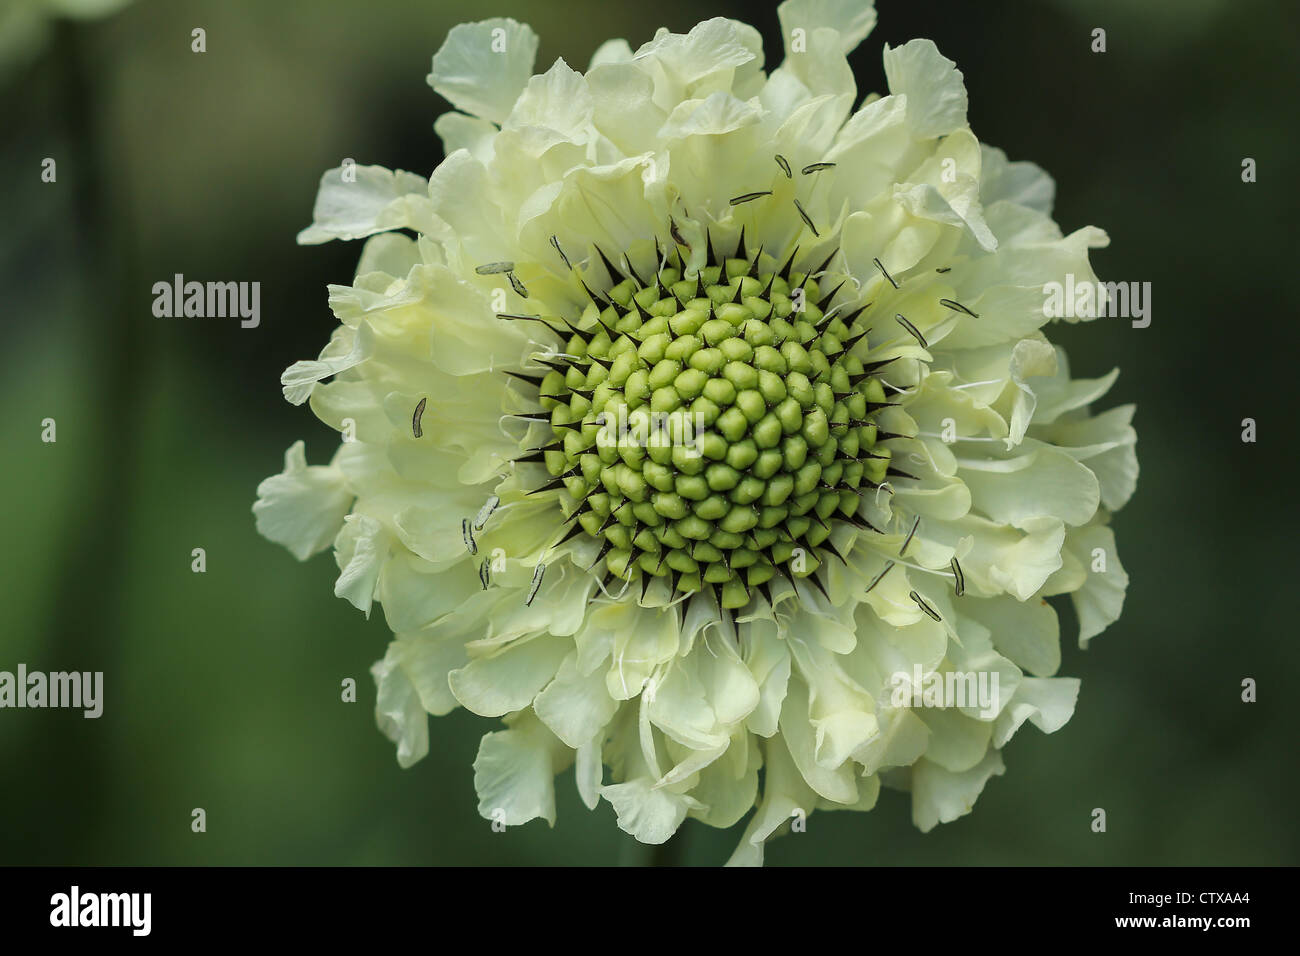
[{"x": 223, "y": 688}]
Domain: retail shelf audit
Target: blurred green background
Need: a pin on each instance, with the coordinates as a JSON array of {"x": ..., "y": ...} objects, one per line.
[{"x": 223, "y": 688}]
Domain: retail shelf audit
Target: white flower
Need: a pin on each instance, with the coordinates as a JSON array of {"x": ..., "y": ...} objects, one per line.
[{"x": 880, "y": 465}]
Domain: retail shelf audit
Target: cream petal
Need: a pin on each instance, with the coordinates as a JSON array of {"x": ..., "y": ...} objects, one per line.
[
  {"x": 802, "y": 738},
  {"x": 576, "y": 707},
  {"x": 514, "y": 773},
  {"x": 303, "y": 507},
  {"x": 1101, "y": 599},
  {"x": 346, "y": 350},
  {"x": 941, "y": 796},
  {"x": 1021, "y": 183},
  {"x": 851, "y": 20},
  {"x": 426, "y": 658},
  {"x": 902, "y": 740},
  {"x": 390, "y": 253},
  {"x": 957, "y": 743},
  {"x": 1026, "y": 632},
  {"x": 510, "y": 678},
  {"x": 768, "y": 659},
  {"x": 695, "y": 64},
  {"x": 482, "y": 67},
  {"x": 557, "y": 100},
  {"x": 785, "y": 796},
  {"x": 1047, "y": 703},
  {"x": 361, "y": 550},
  {"x": 398, "y": 710},
  {"x": 934, "y": 87},
  {"x": 1105, "y": 443},
  {"x": 359, "y": 201},
  {"x": 650, "y": 815},
  {"x": 1043, "y": 481},
  {"x": 470, "y": 133},
  {"x": 624, "y": 109},
  {"x": 589, "y": 773}
]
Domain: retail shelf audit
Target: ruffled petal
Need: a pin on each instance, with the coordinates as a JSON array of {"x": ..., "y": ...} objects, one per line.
[
  {"x": 303, "y": 507},
  {"x": 359, "y": 201},
  {"x": 514, "y": 773},
  {"x": 482, "y": 67}
]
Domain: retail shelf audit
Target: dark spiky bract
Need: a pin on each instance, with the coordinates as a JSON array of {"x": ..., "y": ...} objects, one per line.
[{"x": 711, "y": 430}]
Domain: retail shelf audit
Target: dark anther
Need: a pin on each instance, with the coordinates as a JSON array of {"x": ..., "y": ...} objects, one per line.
[
  {"x": 908, "y": 540},
  {"x": 416, "y": 429},
  {"x": 949, "y": 303},
  {"x": 555, "y": 241},
  {"x": 930, "y": 612},
  {"x": 876, "y": 580},
  {"x": 885, "y": 273},
  {"x": 916, "y": 333},
  {"x": 806, "y": 218}
]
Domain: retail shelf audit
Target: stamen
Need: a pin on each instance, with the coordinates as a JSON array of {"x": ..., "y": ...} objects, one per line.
[
  {"x": 881, "y": 267},
  {"x": 949, "y": 303},
  {"x": 931, "y": 612},
  {"x": 416, "y": 428},
  {"x": 555, "y": 241},
  {"x": 916, "y": 333},
  {"x": 876, "y": 580},
  {"x": 538, "y": 573},
  {"x": 902, "y": 552},
  {"x": 806, "y": 218},
  {"x": 485, "y": 512}
]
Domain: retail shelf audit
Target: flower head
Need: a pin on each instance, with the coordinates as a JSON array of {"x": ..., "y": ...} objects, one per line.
[{"x": 706, "y": 433}]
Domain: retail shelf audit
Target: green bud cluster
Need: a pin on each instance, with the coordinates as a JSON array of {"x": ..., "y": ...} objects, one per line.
[{"x": 709, "y": 430}]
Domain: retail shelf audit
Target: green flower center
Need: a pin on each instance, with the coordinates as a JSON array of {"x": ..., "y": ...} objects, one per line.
[{"x": 711, "y": 430}]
